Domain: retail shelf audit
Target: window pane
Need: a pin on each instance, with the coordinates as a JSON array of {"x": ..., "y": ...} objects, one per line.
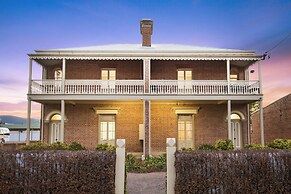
[
  {"x": 104, "y": 74},
  {"x": 58, "y": 74},
  {"x": 233, "y": 77},
  {"x": 180, "y": 75},
  {"x": 112, "y": 75},
  {"x": 188, "y": 75}
]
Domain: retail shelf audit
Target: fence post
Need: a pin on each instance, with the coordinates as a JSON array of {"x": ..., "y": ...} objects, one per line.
[
  {"x": 120, "y": 166},
  {"x": 171, "y": 171}
]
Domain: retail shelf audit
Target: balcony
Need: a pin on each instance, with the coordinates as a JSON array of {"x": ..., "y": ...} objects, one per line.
[{"x": 137, "y": 87}]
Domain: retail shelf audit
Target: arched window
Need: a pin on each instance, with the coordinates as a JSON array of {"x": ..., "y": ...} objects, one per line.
[
  {"x": 58, "y": 74},
  {"x": 234, "y": 116},
  {"x": 56, "y": 117}
]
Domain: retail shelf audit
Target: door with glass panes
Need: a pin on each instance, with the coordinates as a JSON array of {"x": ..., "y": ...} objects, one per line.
[
  {"x": 107, "y": 129},
  {"x": 185, "y": 131},
  {"x": 108, "y": 76},
  {"x": 184, "y": 80}
]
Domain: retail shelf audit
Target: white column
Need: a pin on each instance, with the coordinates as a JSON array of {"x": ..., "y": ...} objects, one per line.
[
  {"x": 228, "y": 75},
  {"x": 171, "y": 170},
  {"x": 260, "y": 77},
  {"x": 28, "y": 121},
  {"x": 229, "y": 119},
  {"x": 62, "y": 120},
  {"x": 42, "y": 123},
  {"x": 262, "y": 122},
  {"x": 29, "y": 76},
  {"x": 120, "y": 166},
  {"x": 247, "y": 75},
  {"x": 63, "y": 75}
]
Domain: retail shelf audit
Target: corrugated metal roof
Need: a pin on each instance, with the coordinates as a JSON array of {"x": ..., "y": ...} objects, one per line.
[{"x": 139, "y": 48}]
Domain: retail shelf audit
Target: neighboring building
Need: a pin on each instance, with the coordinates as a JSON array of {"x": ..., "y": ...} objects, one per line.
[
  {"x": 18, "y": 132},
  {"x": 144, "y": 93},
  {"x": 277, "y": 121}
]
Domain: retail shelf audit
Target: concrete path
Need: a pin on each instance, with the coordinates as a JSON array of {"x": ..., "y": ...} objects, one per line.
[{"x": 149, "y": 183}]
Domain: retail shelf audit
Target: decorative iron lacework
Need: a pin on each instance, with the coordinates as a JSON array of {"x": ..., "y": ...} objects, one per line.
[{"x": 152, "y": 58}]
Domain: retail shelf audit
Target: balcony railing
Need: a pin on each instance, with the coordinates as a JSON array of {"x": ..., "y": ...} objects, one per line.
[
  {"x": 157, "y": 87},
  {"x": 203, "y": 87}
]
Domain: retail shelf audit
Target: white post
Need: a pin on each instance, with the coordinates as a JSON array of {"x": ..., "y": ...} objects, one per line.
[
  {"x": 28, "y": 121},
  {"x": 42, "y": 123},
  {"x": 229, "y": 119},
  {"x": 262, "y": 122},
  {"x": 29, "y": 76},
  {"x": 120, "y": 166},
  {"x": 62, "y": 121},
  {"x": 228, "y": 76},
  {"x": 63, "y": 75},
  {"x": 171, "y": 171},
  {"x": 260, "y": 77}
]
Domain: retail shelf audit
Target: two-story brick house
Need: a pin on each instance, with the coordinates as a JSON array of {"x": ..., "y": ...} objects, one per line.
[{"x": 144, "y": 93}]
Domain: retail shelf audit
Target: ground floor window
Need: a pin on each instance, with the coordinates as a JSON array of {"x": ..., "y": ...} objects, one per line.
[
  {"x": 107, "y": 129},
  {"x": 185, "y": 131}
]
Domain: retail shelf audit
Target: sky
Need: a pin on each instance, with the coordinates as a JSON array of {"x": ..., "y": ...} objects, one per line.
[{"x": 28, "y": 25}]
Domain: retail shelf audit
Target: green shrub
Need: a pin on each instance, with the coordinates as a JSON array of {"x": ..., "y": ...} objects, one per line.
[
  {"x": 224, "y": 144},
  {"x": 150, "y": 164},
  {"x": 206, "y": 147},
  {"x": 55, "y": 146},
  {"x": 105, "y": 147},
  {"x": 133, "y": 164},
  {"x": 155, "y": 163},
  {"x": 185, "y": 149},
  {"x": 76, "y": 146},
  {"x": 255, "y": 147},
  {"x": 280, "y": 144},
  {"x": 36, "y": 146},
  {"x": 59, "y": 146}
]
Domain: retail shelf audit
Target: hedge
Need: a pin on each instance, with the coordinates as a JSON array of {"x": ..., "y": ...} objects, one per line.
[
  {"x": 246, "y": 171},
  {"x": 57, "y": 172}
]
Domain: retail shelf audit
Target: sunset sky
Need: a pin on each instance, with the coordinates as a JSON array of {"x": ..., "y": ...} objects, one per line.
[{"x": 26, "y": 25}]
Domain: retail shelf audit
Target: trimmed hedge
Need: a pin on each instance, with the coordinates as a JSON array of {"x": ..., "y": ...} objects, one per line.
[
  {"x": 247, "y": 171},
  {"x": 57, "y": 172}
]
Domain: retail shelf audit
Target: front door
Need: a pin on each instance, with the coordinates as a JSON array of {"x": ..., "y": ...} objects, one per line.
[
  {"x": 55, "y": 131},
  {"x": 185, "y": 131},
  {"x": 236, "y": 134}
]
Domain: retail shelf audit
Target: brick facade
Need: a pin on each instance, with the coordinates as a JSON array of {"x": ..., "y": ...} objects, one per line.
[
  {"x": 133, "y": 70},
  {"x": 210, "y": 123},
  {"x": 277, "y": 123}
]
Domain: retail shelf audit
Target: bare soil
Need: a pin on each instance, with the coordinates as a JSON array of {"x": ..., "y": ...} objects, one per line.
[{"x": 152, "y": 183}]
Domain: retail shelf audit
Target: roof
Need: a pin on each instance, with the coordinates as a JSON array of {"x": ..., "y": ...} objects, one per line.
[
  {"x": 33, "y": 126},
  {"x": 138, "y": 48}
]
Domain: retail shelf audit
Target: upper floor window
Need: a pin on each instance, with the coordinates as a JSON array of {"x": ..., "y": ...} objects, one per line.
[
  {"x": 58, "y": 74},
  {"x": 108, "y": 74},
  {"x": 184, "y": 74},
  {"x": 233, "y": 75}
]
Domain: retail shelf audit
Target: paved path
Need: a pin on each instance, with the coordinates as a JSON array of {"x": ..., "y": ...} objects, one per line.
[{"x": 149, "y": 183}]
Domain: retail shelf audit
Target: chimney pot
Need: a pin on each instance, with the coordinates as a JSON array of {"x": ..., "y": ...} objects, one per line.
[{"x": 146, "y": 30}]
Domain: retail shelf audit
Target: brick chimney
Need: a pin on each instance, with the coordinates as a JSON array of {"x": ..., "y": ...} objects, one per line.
[{"x": 146, "y": 30}]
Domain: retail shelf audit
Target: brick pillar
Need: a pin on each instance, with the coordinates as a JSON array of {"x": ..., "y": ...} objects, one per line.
[
  {"x": 146, "y": 74},
  {"x": 147, "y": 136}
]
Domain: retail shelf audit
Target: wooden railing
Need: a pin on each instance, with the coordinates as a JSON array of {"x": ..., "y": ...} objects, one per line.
[{"x": 164, "y": 87}]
